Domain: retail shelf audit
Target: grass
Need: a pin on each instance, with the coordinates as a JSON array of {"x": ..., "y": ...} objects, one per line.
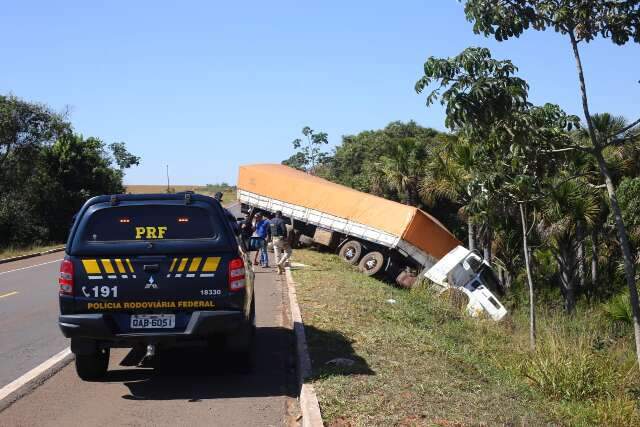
[
  {"x": 420, "y": 362},
  {"x": 11, "y": 252}
]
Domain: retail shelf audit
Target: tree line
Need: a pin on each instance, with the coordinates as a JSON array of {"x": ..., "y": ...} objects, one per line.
[{"x": 47, "y": 171}]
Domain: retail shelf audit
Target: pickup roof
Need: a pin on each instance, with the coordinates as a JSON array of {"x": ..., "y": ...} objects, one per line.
[{"x": 151, "y": 271}]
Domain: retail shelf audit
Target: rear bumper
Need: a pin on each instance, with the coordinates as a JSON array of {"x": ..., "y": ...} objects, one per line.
[{"x": 202, "y": 324}]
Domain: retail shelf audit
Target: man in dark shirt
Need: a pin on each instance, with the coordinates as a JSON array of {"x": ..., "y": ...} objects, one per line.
[{"x": 279, "y": 236}]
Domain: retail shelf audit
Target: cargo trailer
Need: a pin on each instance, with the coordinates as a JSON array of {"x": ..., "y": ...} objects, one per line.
[{"x": 380, "y": 236}]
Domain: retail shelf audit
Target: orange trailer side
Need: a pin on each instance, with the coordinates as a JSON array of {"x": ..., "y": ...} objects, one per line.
[{"x": 292, "y": 186}]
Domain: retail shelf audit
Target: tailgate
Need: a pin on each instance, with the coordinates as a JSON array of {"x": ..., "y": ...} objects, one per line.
[{"x": 151, "y": 283}]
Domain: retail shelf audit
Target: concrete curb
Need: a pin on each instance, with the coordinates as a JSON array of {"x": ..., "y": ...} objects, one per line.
[
  {"x": 311, "y": 415},
  {"x": 28, "y": 382},
  {"x": 35, "y": 254}
]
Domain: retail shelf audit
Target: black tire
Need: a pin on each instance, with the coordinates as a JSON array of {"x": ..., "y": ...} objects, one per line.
[
  {"x": 92, "y": 367},
  {"x": 371, "y": 263},
  {"x": 242, "y": 345},
  {"x": 351, "y": 252}
]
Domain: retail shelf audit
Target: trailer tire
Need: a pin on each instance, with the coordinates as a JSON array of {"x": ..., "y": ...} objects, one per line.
[
  {"x": 372, "y": 263},
  {"x": 406, "y": 280},
  {"x": 351, "y": 252}
]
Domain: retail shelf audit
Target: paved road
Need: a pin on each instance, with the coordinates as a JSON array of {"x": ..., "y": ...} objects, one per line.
[{"x": 29, "y": 332}]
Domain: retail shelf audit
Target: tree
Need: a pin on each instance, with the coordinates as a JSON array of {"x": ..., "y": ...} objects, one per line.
[
  {"x": 310, "y": 147},
  {"x": 449, "y": 175},
  {"x": 296, "y": 161},
  {"x": 580, "y": 22},
  {"x": 487, "y": 103},
  {"x": 402, "y": 166},
  {"x": 123, "y": 158},
  {"x": 24, "y": 126},
  {"x": 568, "y": 205}
]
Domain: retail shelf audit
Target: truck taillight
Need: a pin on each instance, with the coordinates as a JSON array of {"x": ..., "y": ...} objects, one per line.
[
  {"x": 66, "y": 277},
  {"x": 236, "y": 275}
]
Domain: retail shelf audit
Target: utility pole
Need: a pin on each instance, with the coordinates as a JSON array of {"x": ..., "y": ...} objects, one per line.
[{"x": 168, "y": 183}]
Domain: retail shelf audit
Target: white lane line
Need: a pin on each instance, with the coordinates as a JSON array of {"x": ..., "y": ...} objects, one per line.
[
  {"x": 9, "y": 294},
  {"x": 31, "y": 266},
  {"x": 34, "y": 373}
]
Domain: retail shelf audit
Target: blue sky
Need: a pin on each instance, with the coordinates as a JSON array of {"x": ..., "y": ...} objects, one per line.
[{"x": 207, "y": 86}]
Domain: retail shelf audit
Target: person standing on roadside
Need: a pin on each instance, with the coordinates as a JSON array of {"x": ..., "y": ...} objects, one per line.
[
  {"x": 287, "y": 249},
  {"x": 278, "y": 228},
  {"x": 246, "y": 230},
  {"x": 262, "y": 233}
]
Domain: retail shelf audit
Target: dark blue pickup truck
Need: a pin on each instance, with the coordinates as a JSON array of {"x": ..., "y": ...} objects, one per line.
[{"x": 150, "y": 271}]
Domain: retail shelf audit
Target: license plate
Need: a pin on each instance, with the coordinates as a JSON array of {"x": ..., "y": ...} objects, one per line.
[{"x": 158, "y": 321}]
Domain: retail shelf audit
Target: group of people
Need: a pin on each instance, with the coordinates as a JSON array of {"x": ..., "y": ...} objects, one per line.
[{"x": 258, "y": 230}]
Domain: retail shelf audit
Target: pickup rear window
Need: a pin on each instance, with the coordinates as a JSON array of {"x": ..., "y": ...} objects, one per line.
[{"x": 149, "y": 223}]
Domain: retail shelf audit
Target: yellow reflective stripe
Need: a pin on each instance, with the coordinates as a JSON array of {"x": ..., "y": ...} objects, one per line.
[
  {"x": 173, "y": 264},
  {"x": 130, "y": 266},
  {"x": 211, "y": 264},
  {"x": 91, "y": 266},
  {"x": 183, "y": 264},
  {"x": 120, "y": 265},
  {"x": 108, "y": 268},
  {"x": 195, "y": 264}
]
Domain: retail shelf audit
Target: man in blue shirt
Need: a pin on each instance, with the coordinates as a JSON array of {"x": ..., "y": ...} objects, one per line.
[{"x": 262, "y": 232}]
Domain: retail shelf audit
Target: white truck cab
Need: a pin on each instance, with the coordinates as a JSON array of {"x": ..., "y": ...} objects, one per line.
[{"x": 470, "y": 273}]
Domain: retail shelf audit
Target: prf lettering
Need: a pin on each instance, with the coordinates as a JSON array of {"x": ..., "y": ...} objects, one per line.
[{"x": 150, "y": 232}]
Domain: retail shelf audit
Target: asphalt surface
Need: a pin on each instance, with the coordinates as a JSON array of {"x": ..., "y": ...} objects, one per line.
[
  {"x": 29, "y": 332},
  {"x": 189, "y": 386}
]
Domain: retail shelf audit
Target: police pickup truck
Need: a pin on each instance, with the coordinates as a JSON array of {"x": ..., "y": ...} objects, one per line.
[{"x": 154, "y": 270}]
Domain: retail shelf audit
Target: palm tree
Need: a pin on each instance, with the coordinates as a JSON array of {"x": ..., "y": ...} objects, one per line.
[
  {"x": 568, "y": 204},
  {"x": 621, "y": 160},
  {"x": 403, "y": 165},
  {"x": 449, "y": 176}
]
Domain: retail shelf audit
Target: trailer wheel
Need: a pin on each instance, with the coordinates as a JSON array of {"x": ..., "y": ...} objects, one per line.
[
  {"x": 406, "y": 280},
  {"x": 351, "y": 252},
  {"x": 371, "y": 263}
]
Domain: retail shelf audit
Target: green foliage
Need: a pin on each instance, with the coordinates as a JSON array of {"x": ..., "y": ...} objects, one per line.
[
  {"x": 49, "y": 172},
  {"x": 123, "y": 158},
  {"x": 629, "y": 198},
  {"x": 618, "y": 309},
  {"x": 470, "y": 80},
  {"x": 617, "y": 20},
  {"x": 570, "y": 371},
  {"x": 310, "y": 153}
]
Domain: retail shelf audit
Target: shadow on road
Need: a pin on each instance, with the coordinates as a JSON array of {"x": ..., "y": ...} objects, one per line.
[
  {"x": 332, "y": 354},
  {"x": 199, "y": 373}
]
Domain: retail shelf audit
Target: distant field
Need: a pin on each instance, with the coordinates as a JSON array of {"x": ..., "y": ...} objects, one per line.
[{"x": 228, "y": 197}]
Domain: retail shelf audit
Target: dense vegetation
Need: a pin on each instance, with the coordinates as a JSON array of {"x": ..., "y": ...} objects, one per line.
[{"x": 47, "y": 172}]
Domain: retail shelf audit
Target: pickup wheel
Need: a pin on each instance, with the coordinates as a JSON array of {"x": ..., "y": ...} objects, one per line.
[
  {"x": 351, "y": 252},
  {"x": 371, "y": 263},
  {"x": 92, "y": 367}
]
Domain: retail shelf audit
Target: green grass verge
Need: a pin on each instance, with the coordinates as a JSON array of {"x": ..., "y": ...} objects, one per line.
[
  {"x": 11, "y": 252},
  {"x": 420, "y": 362}
]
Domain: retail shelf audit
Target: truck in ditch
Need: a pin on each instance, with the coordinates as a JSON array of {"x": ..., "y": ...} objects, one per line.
[{"x": 380, "y": 236}]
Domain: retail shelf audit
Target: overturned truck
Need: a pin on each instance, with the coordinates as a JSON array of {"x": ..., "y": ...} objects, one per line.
[{"x": 380, "y": 236}]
